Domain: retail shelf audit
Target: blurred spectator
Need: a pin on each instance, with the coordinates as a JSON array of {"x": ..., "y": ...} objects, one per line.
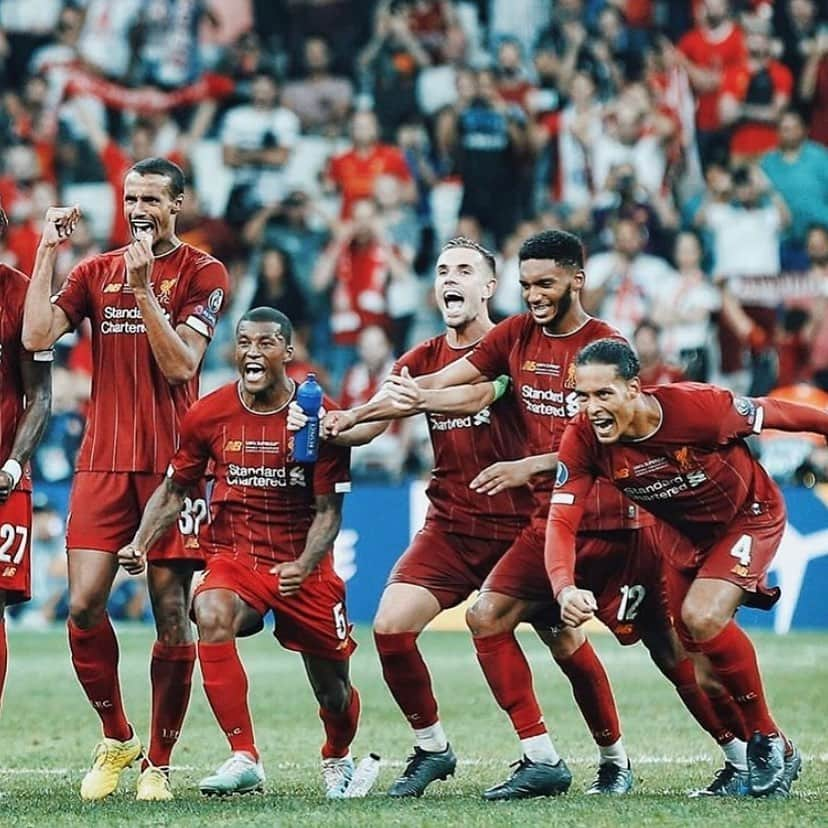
[
  {"x": 242, "y": 62},
  {"x": 799, "y": 172},
  {"x": 579, "y": 128},
  {"x": 294, "y": 225},
  {"x": 798, "y": 24},
  {"x": 625, "y": 140},
  {"x": 354, "y": 173},
  {"x": 710, "y": 49},
  {"x": 430, "y": 22},
  {"x": 167, "y": 41},
  {"x": 24, "y": 26},
  {"x": 277, "y": 287},
  {"x": 685, "y": 311},
  {"x": 390, "y": 64},
  {"x": 48, "y": 559},
  {"x": 513, "y": 83},
  {"x": 321, "y": 100},
  {"x": 754, "y": 93},
  {"x": 746, "y": 235},
  {"x": 53, "y": 60},
  {"x": 23, "y": 235},
  {"x": 416, "y": 149},
  {"x": 489, "y": 141},
  {"x": 358, "y": 266},
  {"x": 817, "y": 330},
  {"x": 386, "y": 454},
  {"x": 437, "y": 85},
  {"x": 106, "y": 39},
  {"x": 655, "y": 369},
  {"x": 624, "y": 198},
  {"x": 208, "y": 233},
  {"x": 624, "y": 285},
  {"x": 257, "y": 140},
  {"x": 399, "y": 219},
  {"x": 813, "y": 86},
  {"x": 302, "y": 364}
]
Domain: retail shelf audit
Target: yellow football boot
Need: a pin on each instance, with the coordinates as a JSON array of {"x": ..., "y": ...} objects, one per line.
[
  {"x": 109, "y": 759},
  {"x": 153, "y": 785}
]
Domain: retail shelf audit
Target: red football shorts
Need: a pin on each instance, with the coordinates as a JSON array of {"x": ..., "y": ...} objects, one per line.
[
  {"x": 448, "y": 565},
  {"x": 314, "y": 621},
  {"x": 742, "y": 556},
  {"x": 105, "y": 509},
  {"x": 16, "y": 547},
  {"x": 621, "y": 568}
]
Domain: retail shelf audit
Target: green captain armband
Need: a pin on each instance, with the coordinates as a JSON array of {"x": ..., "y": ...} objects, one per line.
[{"x": 501, "y": 386}]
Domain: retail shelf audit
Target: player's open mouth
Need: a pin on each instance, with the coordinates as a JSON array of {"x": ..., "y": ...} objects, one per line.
[
  {"x": 603, "y": 425},
  {"x": 253, "y": 371},
  {"x": 453, "y": 300},
  {"x": 140, "y": 226}
]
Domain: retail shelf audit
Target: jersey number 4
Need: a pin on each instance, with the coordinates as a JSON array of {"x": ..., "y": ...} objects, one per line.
[{"x": 12, "y": 543}]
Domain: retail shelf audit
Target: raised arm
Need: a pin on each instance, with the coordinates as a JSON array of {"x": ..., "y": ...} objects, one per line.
[
  {"x": 44, "y": 322},
  {"x": 177, "y": 350},
  {"x": 791, "y": 416},
  {"x": 161, "y": 512},
  {"x": 321, "y": 535},
  {"x": 37, "y": 386}
]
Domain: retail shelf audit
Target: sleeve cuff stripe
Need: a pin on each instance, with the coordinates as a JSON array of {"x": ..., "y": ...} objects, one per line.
[
  {"x": 759, "y": 420},
  {"x": 43, "y": 356},
  {"x": 342, "y": 488},
  {"x": 563, "y": 497}
]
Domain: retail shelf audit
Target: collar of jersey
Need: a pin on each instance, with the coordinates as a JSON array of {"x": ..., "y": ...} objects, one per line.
[{"x": 273, "y": 410}]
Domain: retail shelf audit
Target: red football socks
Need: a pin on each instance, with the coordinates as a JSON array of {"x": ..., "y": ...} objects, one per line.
[
  {"x": 697, "y": 702},
  {"x": 171, "y": 672},
  {"x": 510, "y": 680},
  {"x": 340, "y": 728},
  {"x": 407, "y": 677},
  {"x": 95, "y": 659},
  {"x": 225, "y": 685},
  {"x": 593, "y": 694},
  {"x": 4, "y": 657},
  {"x": 734, "y": 660}
]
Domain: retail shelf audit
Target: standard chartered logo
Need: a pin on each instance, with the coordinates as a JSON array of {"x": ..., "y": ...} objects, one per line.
[
  {"x": 123, "y": 320},
  {"x": 547, "y": 402},
  {"x": 438, "y": 422}
]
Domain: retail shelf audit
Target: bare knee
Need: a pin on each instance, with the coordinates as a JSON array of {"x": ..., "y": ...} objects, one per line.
[
  {"x": 86, "y": 611},
  {"x": 565, "y": 642},
  {"x": 214, "y": 621},
  {"x": 490, "y": 615},
  {"x": 702, "y": 622}
]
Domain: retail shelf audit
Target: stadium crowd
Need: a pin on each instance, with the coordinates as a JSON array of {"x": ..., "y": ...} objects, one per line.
[{"x": 332, "y": 147}]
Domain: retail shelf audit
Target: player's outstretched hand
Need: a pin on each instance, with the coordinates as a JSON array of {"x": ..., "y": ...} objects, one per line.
[
  {"x": 335, "y": 422},
  {"x": 404, "y": 392},
  {"x": 59, "y": 223},
  {"x": 577, "y": 606},
  {"x": 139, "y": 260},
  {"x": 132, "y": 559},
  {"x": 508, "y": 474},
  {"x": 291, "y": 575}
]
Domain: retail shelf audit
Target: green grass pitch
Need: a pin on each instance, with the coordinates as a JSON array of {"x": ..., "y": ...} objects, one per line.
[{"x": 47, "y": 732}]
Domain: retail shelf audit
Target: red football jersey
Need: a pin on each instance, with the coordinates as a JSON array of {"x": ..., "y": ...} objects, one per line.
[
  {"x": 542, "y": 370},
  {"x": 13, "y": 286},
  {"x": 134, "y": 413},
  {"x": 464, "y": 446},
  {"x": 695, "y": 471},
  {"x": 262, "y": 502}
]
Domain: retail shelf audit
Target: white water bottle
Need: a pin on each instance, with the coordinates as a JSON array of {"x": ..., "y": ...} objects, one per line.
[{"x": 365, "y": 775}]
